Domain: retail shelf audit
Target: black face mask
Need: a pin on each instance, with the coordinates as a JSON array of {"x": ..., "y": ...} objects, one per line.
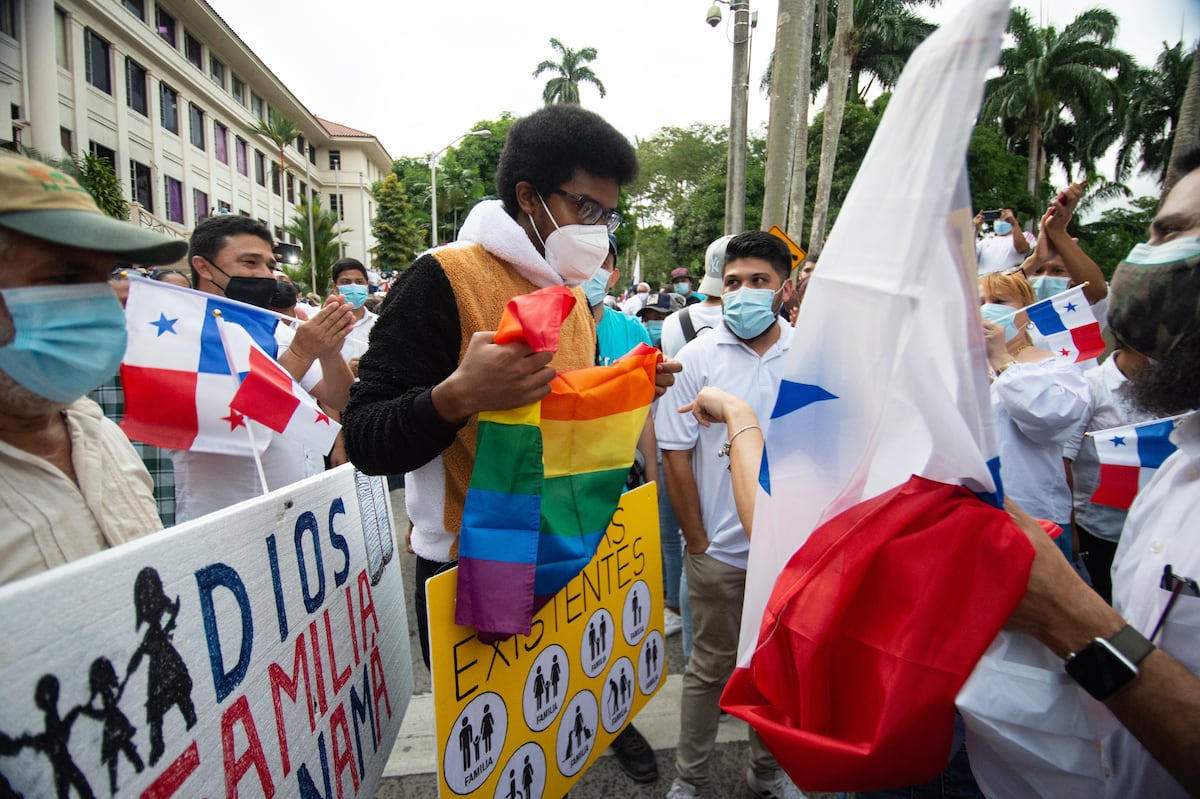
[{"x": 256, "y": 291}]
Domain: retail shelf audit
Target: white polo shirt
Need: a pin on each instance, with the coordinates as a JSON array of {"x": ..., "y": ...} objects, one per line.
[
  {"x": 704, "y": 318},
  {"x": 356, "y": 343},
  {"x": 722, "y": 360}
]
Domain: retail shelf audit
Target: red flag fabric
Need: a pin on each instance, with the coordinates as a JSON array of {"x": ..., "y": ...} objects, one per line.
[{"x": 913, "y": 585}]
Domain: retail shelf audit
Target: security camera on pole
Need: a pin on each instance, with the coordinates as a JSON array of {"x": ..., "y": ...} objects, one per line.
[{"x": 735, "y": 187}]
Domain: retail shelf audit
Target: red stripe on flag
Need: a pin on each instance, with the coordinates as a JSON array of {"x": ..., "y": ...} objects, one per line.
[
  {"x": 160, "y": 406},
  {"x": 171, "y": 779},
  {"x": 1088, "y": 341},
  {"x": 266, "y": 393},
  {"x": 1118, "y": 485}
]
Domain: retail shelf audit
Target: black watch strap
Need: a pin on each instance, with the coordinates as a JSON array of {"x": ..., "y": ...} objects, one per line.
[{"x": 1106, "y": 665}]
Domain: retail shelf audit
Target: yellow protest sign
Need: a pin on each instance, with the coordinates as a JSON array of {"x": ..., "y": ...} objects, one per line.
[
  {"x": 795, "y": 249},
  {"x": 526, "y": 716}
]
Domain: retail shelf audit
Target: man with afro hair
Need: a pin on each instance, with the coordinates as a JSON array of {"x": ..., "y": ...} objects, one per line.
[{"x": 432, "y": 364}]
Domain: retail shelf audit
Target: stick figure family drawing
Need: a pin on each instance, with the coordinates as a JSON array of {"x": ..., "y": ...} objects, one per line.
[{"x": 169, "y": 685}]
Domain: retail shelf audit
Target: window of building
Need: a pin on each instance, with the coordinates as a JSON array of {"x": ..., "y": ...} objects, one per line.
[
  {"x": 136, "y": 7},
  {"x": 192, "y": 51},
  {"x": 164, "y": 25},
  {"x": 238, "y": 89},
  {"x": 174, "y": 190},
  {"x": 60, "y": 38},
  {"x": 300, "y": 145},
  {"x": 278, "y": 233},
  {"x": 95, "y": 53},
  {"x": 291, "y": 189},
  {"x": 224, "y": 207},
  {"x": 199, "y": 204},
  {"x": 66, "y": 140},
  {"x": 220, "y": 142},
  {"x": 275, "y": 187},
  {"x": 303, "y": 191},
  {"x": 168, "y": 99},
  {"x": 241, "y": 152},
  {"x": 257, "y": 107},
  {"x": 135, "y": 87},
  {"x": 312, "y": 155},
  {"x": 8, "y": 18},
  {"x": 336, "y": 205},
  {"x": 196, "y": 125},
  {"x": 260, "y": 168},
  {"x": 335, "y": 159},
  {"x": 216, "y": 70},
  {"x": 141, "y": 184},
  {"x": 100, "y": 151}
]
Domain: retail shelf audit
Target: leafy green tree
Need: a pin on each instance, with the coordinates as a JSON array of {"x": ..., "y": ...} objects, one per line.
[
  {"x": 398, "y": 235},
  {"x": 1153, "y": 113},
  {"x": 653, "y": 244},
  {"x": 1047, "y": 74},
  {"x": 996, "y": 175},
  {"x": 569, "y": 71},
  {"x": 835, "y": 109},
  {"x": 1110, "y": 238},
  {"x": 857, "y": 130},
  {"x": 672, "y": 162},
  {"x": 282, "y": 131},
  {"x": 325, "y": 243},
  {"x": 483, "y": 155},
  {"x": 92, "y": 173}
]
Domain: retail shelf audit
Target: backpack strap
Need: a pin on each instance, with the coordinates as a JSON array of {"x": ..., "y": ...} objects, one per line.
[{"x": 685, "y": 323}]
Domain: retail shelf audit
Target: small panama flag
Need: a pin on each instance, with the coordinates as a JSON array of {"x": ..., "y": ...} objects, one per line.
[
  {"x": 1129, "y": 457},
  {"x": 1067, "y": 322},
  {"x": 271, "y": 396}
]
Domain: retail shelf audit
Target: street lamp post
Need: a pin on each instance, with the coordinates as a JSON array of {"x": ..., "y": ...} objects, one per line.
[
  {"x": 735, "y": 186},
  {"x": 433, "y": 237}
]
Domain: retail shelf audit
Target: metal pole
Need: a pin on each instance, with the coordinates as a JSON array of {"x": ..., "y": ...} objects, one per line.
[
  {"x": 735, "y": 187},
  {"x": 433, "y": 195},
  {"x": 312, "y": 246},
  {"x": 362, "y": 207},
  {"x": 341, "y": 212}
]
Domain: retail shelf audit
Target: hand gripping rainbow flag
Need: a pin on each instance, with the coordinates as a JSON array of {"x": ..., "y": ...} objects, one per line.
[{"x": 547, "y": 476}]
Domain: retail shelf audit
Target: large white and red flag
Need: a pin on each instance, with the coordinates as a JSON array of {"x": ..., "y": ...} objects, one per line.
[{"x": 881, "y": 565}]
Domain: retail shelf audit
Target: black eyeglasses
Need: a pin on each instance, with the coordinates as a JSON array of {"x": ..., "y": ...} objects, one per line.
[
  {"x": 1177, "y": 584},
  {"x": 592, "y": 212}
]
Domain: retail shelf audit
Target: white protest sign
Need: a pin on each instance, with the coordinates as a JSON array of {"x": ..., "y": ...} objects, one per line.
[{"x": 259, "y": 651}]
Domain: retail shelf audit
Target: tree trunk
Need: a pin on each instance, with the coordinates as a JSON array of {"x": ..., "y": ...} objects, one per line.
[
  {"x": 1035, "y": 157},
  {"x": 1187, "y": 129},
  {"x": 835, "y": 109},
  {"x": 799, "y": 161},
  {"x": 785, "y": 103}
]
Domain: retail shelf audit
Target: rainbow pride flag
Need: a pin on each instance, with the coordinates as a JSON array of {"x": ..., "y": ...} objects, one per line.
[{"x": 547, "y": 476}]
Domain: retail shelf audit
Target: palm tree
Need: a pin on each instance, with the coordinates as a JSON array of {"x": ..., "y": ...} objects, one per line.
[
  {"x": 282, "y": 131},
  {"x": 1152, "y": 115},
  {"x": 325, "y": 241},
  {"x": 789, "y": 105},
  {"x": 835, "y": 109},
  {"x": 1046, "y": 73},
  {"x": 1188, "y": 128},
  {"x": 571, "y": 70}
]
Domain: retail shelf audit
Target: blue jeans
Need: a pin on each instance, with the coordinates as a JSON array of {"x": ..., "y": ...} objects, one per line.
[{"x": 672, "y": 544}]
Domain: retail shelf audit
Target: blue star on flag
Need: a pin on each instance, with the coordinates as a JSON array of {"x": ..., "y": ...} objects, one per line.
[
  {"x": 164, "y": 324},
  {"x": 1118, "y": 441},
  {"x": 794, "y": 396},
  {"x": 1070, "y": 306}
]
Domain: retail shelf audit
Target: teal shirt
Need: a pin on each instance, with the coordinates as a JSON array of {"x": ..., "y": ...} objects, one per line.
[{"x": 617, "y": 334}]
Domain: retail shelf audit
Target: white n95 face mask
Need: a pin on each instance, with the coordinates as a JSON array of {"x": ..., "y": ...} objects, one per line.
[{"x": 575, "y": 252}]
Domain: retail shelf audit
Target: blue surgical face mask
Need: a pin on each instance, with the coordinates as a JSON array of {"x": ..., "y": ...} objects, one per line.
[
  {"x": 749, "y": 312},
  {"x": 995, "y": 312},
  {"x": 69, "y": 339},
  {"x": 654, "y": 328},
  {"x": 1045, "y": 286},
  {"x": 683, "y": 288},
  {"x": 1002, "y": 228},
  {"x": 596, "y": 286},
  {"x": 355, "y": 294}
]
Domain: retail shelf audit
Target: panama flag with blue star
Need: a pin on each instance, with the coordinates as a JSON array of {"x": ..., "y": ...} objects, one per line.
[
  {"x": 176, "y": 376},
  {"x": 1129, "y": 458},
  {"x": 881, "y": 565}
]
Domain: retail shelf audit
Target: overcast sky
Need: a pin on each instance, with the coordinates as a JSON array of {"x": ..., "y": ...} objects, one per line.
[{"x": 419, "y": 74}]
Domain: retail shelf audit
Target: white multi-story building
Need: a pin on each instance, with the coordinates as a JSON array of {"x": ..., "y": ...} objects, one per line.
[{"x": 171, "y": 95}]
